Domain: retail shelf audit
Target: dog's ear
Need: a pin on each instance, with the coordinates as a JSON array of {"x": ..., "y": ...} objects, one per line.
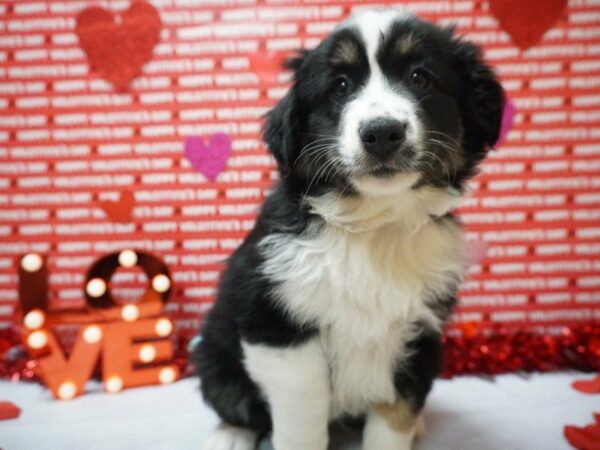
[
  {"x": 281, "y": 130},
  {"x": 482, "y": 98}
]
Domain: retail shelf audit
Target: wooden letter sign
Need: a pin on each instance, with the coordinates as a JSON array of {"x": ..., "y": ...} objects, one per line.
[{"x": 132, "y": 339}]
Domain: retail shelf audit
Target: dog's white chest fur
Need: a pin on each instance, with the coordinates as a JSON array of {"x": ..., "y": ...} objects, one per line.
[{"x": 363, "y": 287}]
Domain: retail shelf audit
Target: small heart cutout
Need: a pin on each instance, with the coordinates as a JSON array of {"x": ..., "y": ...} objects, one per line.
[
  {"x": 119, "y": 211},
  {"x": 208, "y": 159},
  {"x": 588, "y": 386},
  {"x": 526, "y": 20},
  {"x": 9, "y": 410},
  {"x": 586, "y": 438},
  {"x": 118, "y": 48}
]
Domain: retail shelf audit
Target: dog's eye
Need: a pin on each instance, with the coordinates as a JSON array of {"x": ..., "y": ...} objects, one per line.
[
  {"x": 420, "y": 78},
  {"x": 341, "y": 86}
]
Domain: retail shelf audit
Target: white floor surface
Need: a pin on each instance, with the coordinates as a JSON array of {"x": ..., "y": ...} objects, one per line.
[{"x": 466, "y": 413}]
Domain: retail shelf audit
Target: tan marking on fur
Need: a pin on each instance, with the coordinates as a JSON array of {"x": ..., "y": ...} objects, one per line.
[
  {"x": 346, "y": 52},
  {"x": 420, "y": 428},
  {"x": 398, "y": 416},
  {"x": 406, "y": 44}
]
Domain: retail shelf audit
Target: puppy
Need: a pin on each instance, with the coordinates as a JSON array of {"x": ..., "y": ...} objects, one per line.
[{"x": 333, "y": 306}]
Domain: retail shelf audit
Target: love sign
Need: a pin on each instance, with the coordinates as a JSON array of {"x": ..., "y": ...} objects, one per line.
[{"x": 131, "y": 339}]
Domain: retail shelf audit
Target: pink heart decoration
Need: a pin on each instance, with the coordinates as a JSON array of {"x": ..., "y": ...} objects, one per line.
[
  {"x": 477, "y": 251},
  {"x": 508, "y": 117},
  {"x": 267, "y": 65},
  {"x": 208, "y": 159}
]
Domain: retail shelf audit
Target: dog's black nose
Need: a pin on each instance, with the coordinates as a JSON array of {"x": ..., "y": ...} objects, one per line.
[{"x": 382, "y": 137}]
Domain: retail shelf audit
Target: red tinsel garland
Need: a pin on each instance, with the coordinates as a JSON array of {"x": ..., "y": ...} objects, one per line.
[
  {"x": 501, "y": 350},
  {"x": 492, "y": 352},
  {"x": 15, "y": 363}
]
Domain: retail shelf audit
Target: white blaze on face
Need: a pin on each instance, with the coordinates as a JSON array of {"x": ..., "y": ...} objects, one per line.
[
  {"x": 378, "y": 99},
  {"x": 372, "y": 186}
]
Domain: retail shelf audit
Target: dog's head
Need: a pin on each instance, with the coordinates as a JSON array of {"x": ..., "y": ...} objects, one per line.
[{"x": 386, "y": 102}]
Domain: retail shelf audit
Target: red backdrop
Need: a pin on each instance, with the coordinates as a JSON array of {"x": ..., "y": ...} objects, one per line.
[{"x": 70, "y": 142}]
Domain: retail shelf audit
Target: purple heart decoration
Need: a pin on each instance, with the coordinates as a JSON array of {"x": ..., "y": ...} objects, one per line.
[
  {"x": 208, "y": 159},
  {"x": 508, "y": 116}
]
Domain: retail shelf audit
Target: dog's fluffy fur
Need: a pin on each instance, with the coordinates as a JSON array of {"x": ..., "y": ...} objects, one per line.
[{"x": 332, "y": 307}]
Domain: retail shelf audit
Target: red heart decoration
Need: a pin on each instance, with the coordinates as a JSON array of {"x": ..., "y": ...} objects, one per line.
[
  {"x": 9, "y": 410},
  {"x": 119, "y": 211},
  {"x": 588, "y": 386},
  {"x": 525, "y": 20},
  {"x": 587, "y": 438},
  {"x": 267, "y": 65},
  {"x": 119, "y": 48}
]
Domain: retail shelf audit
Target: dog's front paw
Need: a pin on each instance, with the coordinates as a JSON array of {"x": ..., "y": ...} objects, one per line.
[
  {"x": 390, "y": 428},
  {"x": 227, "y": 437}
]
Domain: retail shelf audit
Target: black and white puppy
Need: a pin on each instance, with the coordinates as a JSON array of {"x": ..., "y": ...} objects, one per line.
[{"x": 333, "y": 306}]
